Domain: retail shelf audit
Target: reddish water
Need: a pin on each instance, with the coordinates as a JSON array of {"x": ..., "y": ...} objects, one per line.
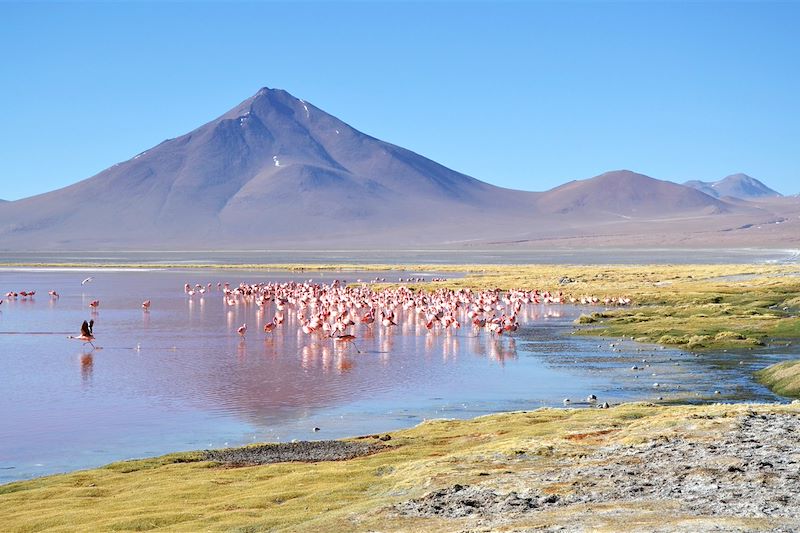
[{"x": 179, "y": 377}]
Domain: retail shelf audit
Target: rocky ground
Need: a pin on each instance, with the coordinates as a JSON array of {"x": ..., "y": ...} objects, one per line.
[
  {"x": 302, "y": 451},
  {"x": 750, "y": 472}
]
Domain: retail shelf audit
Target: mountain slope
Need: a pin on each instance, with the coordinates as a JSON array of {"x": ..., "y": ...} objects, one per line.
[
  {"x": 739, "y": 186},
  {"x": 274, "y": 169},
  {"x": 627, "y": 194}
]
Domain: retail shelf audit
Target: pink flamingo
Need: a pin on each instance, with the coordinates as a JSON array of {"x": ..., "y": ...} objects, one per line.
[
  {"x": 94, "y": 304},
  {"x": 146, "y": 305},
  {"x": 386, "y": 320},
  {"x": 368, "y": 319},
  {"x": 242, "y": 330}
]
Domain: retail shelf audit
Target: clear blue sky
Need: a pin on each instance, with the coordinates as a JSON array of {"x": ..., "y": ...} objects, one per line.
[{"x": 520, "y": 94}]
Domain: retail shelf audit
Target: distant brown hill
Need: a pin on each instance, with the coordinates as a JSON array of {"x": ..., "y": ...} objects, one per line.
[
  {"x": 628, "y": 194},
  {"x": 277, "y": 172}
]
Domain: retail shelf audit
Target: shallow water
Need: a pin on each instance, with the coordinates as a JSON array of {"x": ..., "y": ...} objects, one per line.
[{"x": 178, "y": 377}]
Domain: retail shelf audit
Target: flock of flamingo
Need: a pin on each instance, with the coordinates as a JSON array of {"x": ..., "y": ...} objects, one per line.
[{"x": 335, "y": 310}]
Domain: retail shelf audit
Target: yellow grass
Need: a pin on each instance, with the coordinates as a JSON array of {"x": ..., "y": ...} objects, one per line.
[{"x": 783, "y": 378}]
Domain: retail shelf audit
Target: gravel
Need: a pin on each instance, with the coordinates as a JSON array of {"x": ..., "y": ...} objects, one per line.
[
  {"x": 303, "y": 451},
  {"x": 753, "y": 471},
  {"x": 459, "y": 501},
  {"x": 750, "y": 472}
]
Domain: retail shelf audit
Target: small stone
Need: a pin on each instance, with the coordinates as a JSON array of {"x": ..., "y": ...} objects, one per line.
[{"x": 552, "y": 498}]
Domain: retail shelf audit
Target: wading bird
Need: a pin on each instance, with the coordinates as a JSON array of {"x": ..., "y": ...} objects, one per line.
[
  {"x": 347, "y": 339},
  {"x": 86, "y": 333}
]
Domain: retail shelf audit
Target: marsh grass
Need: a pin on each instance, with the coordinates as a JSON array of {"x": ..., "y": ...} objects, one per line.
[
  {"x": 783, "y": 378},
  {"x": 697, "y": 307}
]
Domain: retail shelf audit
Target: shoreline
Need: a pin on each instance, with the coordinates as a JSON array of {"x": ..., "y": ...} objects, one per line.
[
  {"x": 574, "y": 468},
  {"x": 427, "y": 258}
]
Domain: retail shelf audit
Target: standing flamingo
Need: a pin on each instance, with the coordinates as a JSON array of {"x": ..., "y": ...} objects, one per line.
[
  {"x": 146, "y": 305},
  {"x": 242, "y": 330},
  {"x": 368, "y": 319},
  {"x": 386, "y": 320}
]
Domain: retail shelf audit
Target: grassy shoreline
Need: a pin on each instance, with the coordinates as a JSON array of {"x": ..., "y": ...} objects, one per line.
[
  {"x": 782, "y": 378},
  {"x": 500, "y": 452}
]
